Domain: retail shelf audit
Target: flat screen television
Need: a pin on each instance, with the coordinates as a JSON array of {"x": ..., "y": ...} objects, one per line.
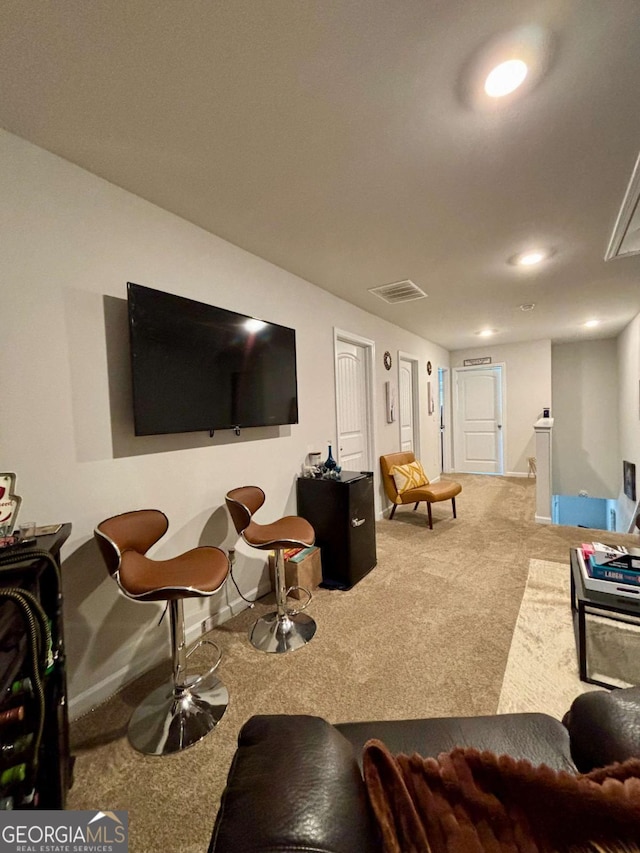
[{"x": 198, "y": 367}]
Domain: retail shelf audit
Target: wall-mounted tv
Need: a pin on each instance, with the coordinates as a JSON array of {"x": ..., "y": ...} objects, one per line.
[{"x": 198, "y": 367}]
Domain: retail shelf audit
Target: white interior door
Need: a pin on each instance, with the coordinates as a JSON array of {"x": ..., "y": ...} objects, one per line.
[
  {"x": 478, "y": 442},
  {"x": 406, "y": 404},
  {"x": 352, "y": 388}
]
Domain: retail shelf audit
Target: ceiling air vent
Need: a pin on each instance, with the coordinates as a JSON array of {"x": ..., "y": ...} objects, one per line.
[
  {"x": 625, "y": 239},
  {"x": 398, "y": 291}
]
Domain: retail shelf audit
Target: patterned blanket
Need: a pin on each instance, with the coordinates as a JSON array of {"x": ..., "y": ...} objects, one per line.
[{"x": 467, "y": 801}]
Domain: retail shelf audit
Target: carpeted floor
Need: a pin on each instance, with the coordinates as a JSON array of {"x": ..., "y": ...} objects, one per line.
[
  {"x": 426, "y": 633},
  {"x": 543, "y": 675}
]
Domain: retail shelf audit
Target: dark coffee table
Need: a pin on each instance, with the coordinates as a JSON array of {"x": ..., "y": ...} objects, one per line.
[{"x": 608, "y": 605}]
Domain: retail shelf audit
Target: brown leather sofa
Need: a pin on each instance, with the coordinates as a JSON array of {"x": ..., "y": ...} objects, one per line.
[{"x": 295, "y": 783}]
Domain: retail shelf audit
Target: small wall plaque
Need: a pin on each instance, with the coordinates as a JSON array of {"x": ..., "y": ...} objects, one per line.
[{"x": 470, "y": 362}]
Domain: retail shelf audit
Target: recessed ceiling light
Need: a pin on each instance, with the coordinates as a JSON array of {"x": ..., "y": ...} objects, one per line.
[
  {"x": 591, "y": 323},
  {"x": 510, "y": 62},
  {"x": 530, "y": 258},
  {"x": 505, "y": 78},
  {"x": 528, "y": 307},
  {"x": 486, "y": 333}
]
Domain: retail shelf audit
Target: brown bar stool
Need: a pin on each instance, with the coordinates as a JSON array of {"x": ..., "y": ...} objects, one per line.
[
  {"x": 285, "y": 629},
  {"x": 188, "y": 707}
]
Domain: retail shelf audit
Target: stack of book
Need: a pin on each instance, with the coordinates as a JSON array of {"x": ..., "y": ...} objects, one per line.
[
  {"x": 610, "y": 569},
  {"x": 296, "y": 555},
  {"x": 302, "y": 568}
]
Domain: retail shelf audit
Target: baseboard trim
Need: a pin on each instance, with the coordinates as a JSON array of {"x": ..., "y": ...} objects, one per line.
[
  {"x": 543, "y": 519},
  {"x": 487, "y": 474},
  {"x": 197, "y": 629},
  {"x": 111, "y": 684},
  {"x": 107, "y": 687}
]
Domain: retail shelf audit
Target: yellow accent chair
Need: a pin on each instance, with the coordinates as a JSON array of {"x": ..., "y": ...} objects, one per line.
[{"x": 405, "y": 482}]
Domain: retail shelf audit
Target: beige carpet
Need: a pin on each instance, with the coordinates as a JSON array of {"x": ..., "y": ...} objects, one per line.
[
  {"x": 426, "y": 633},
  {"x": 542, "y": 669}
]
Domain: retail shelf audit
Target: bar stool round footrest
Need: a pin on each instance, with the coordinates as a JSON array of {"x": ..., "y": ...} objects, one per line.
[
  {"x": 195, "y": 682},
  {"x": 294, "y": 611},
  {"x": 276, "y": 634}
]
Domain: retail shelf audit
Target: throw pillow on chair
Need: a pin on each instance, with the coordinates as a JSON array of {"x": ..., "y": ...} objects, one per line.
[{"x": 409, "y": 476}]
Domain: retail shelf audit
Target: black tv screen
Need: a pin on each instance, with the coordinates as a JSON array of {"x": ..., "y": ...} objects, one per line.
[{"x": 198, "y": 367}]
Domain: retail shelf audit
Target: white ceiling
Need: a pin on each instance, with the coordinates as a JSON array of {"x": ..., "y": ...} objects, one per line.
[{"x": 332, "y": 138}]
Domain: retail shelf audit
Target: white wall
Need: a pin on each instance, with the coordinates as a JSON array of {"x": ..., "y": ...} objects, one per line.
[
  {"x": 585, "y": 410},
  {"x": 629, "y": 414},
  {"x": 528, "y": 392},
  {"x": 70, "y": 242}
]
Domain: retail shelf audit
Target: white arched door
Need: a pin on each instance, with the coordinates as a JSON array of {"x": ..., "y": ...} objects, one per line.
[
  {"x": 406, "y": 412},
  {"x": 352, "y": 403}
]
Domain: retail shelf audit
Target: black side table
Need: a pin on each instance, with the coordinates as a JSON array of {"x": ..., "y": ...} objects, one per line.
[{"x": 607, "y": 605}]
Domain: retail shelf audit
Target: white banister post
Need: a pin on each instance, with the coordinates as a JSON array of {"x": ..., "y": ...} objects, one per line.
[{"x": 543, "y": 428}]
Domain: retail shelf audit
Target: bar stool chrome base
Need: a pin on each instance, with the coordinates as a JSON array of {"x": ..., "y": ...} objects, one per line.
[
  {"x": 277, "y": 634},
  {"x": 173, "y": 718}
]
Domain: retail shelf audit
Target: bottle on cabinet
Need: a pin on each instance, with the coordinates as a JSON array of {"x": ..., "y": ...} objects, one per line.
[{"x": 330, "y": 462}]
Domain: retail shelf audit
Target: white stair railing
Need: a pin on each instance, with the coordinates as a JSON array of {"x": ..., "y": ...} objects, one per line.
[{"x": 543, "y": 429}]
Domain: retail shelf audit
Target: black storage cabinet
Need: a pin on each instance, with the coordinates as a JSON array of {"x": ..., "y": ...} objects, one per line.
[{"x": 342, "y": 514}]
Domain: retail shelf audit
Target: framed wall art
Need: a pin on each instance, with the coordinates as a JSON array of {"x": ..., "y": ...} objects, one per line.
[
  {"x": 629, "y": 473},
  {"x": 9, "y": 504}
]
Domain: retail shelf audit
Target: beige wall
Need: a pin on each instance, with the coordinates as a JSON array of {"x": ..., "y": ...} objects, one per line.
[
  {"x": 585, "y": 410},
  {"x": 528, "y": 391},
  {"x": 70, "y": 242}
]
